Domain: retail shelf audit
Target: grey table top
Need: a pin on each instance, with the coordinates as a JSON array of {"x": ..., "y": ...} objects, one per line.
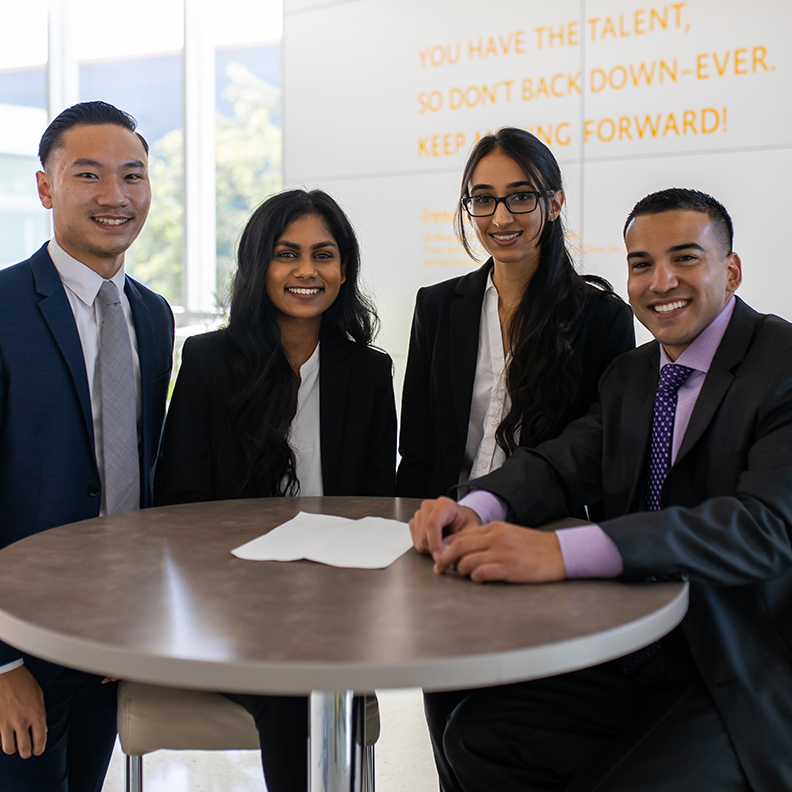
[{"x": 156, "y": 596}]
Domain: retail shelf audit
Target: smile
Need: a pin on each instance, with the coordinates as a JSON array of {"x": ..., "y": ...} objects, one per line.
[
  {"x": 668, "y": 307},
  {"x": 303, "y": 290},
  {"x": 112, "y": 221},
  {"x": 506, "y": 237}
]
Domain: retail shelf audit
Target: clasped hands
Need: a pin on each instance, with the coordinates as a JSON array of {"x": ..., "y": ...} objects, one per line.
[{"x": 455, "y": 538}]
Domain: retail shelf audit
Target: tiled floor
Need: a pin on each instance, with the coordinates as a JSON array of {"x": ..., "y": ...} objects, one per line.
[{"x": 403, "y": 759}]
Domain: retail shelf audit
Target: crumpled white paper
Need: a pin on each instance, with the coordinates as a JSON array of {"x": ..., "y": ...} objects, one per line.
[{"x": 368, "y": 543}]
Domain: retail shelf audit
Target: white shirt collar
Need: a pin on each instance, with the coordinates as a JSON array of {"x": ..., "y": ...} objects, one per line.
[
  {"x": 490, "y": 285},
  {"x": 311, "y": 365},
  {"x": 81, "y": 279}
]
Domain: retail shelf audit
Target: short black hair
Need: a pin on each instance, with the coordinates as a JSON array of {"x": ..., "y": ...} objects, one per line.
[
  {"x": 84, "y": 114},
  {"x": 680, "y": 199}
]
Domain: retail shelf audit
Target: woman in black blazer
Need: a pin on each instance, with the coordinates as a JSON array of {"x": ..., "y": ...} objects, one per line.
[
  {"x": 553, "y": 331},
  {"x": 288, "y": 399},
  {"x": 204, "y": 458},
  {"x": 509, "y": 354}
]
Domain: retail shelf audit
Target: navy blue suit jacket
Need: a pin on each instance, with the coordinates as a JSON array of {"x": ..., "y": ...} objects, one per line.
[{"x": 48, "y": 472}]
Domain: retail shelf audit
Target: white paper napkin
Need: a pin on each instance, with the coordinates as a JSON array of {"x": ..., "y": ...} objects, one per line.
[{"x": 368, "y": 543}]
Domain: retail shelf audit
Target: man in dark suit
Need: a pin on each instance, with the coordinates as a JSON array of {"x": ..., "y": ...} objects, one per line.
[
  {"x": 690, "y": 450},
  {"x": 85, "y": 359}
]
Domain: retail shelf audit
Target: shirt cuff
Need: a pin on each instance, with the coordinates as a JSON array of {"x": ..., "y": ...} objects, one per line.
[
  {"x": 588, "y": 552},
  {"x": 12, "y": 665},
  {"x": 488, "y": 506}
]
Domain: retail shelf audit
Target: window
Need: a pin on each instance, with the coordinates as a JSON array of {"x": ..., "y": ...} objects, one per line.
[{"x": 215, "y": 64}]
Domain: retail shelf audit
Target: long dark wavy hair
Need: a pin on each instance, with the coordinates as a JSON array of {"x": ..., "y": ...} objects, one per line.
[
  {"x": 265, "y": 395},
  {"x": 544, "y": 371}
]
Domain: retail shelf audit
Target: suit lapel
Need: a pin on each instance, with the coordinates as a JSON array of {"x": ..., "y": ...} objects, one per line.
[
  {"x": 333, "y": 402},
  {"x": 464, "y": 325},
  {"x": 144, "y": 333},
  {"x": 57, "y": 313},
  {"x": 636, "y": 414},
  {"x": 719, "y": 378}
]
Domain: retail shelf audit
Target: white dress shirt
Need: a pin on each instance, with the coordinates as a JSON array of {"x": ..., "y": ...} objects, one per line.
[
  {"x": 82, "y": 286},
  {"x": 491, "y": 402},
  {"x": 305, "y": 429}
]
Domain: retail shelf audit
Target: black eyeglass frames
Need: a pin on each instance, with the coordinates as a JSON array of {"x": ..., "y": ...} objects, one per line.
[{"x": 521, "y": 202}]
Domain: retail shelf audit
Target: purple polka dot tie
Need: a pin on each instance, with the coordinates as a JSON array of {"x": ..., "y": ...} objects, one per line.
[{"x": 672, "y": 377}]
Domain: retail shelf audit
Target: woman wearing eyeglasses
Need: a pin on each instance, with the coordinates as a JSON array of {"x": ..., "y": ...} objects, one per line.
[{"x": 510, "y": 353}]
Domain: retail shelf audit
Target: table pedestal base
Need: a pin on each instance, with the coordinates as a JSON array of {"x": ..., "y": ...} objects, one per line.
[{"x": 339, "y": 759}]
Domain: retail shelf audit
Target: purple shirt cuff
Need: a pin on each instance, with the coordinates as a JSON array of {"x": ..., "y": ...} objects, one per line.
[
  {"x": 12, "y": 665},
  {"x": 589, "y": 552},
  {"x": 489, "y": 507}
]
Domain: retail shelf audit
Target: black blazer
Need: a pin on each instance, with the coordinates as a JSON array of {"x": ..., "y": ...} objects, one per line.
[
  {"x": 441, "y": 368},
  {"x": 48, "y": 473},
  {"x": 725, "y": 523},
  {"x": 201, "y": 459}
]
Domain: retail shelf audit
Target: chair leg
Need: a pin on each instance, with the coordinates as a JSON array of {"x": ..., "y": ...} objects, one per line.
[
  {"x": 363, "y": 762},
  {"x": 134, "y": 774},
  {"x": 362, "y": 754},
  {"x": 368, "y": 769}
]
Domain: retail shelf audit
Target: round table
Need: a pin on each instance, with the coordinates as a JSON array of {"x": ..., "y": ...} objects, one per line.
[{"x": 156, "y": 596}]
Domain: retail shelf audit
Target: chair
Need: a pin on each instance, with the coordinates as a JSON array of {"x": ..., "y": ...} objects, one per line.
[{"x": 153, "y": 718}]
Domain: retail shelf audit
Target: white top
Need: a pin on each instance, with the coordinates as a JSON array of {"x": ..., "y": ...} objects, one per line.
[
  {"x": 305, "y": 432},
  {"x": 490, "y": 402},
  {"x": 82, "y": 285}
]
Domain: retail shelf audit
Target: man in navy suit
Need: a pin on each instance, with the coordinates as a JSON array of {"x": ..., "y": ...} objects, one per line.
[{"x": 57, "y": 458}]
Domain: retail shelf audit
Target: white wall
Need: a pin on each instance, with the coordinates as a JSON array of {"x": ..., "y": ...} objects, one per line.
[{"x": 384, "y": 98}]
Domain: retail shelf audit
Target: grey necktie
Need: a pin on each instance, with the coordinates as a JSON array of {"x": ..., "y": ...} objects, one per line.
[{"x": 115, "y": 382}]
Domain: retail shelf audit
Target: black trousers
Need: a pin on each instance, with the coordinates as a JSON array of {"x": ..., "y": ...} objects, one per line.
[
  {"x": 81, "y": 732},
  {"x": 282, "y": 723},
  {"x": 595, "y": 730}
]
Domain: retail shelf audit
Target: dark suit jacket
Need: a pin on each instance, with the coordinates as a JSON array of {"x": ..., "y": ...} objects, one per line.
[
  {"x": 441, "y": 369},
  {"x": 201, "y": 459},
  {"x": 48, "y": 473},
  {"x": 725, "y": 523}
]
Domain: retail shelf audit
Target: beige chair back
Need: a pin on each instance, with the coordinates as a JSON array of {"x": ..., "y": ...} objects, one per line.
[{"x": 151, "y": 718}]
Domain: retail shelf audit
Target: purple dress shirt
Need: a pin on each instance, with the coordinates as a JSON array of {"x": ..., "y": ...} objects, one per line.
[{"x": 588, "y": 552}]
